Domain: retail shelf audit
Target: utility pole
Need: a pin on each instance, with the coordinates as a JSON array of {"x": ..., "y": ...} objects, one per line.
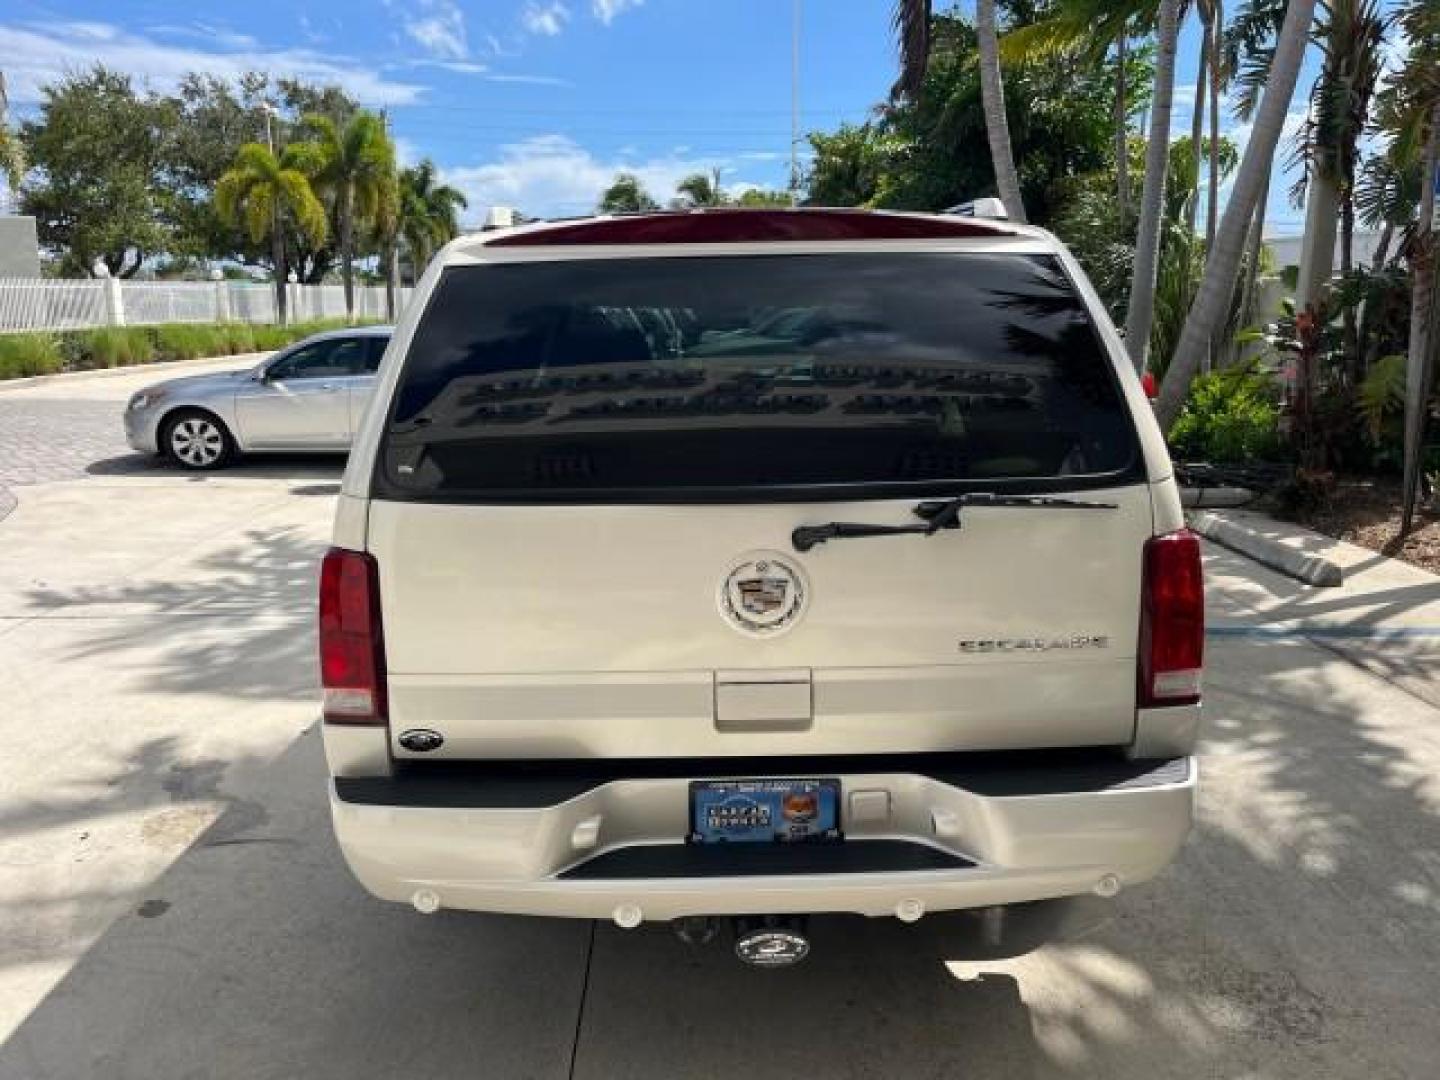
[
  {"x": 390, "y": 248},
  {"x": 795, "y": 107}
]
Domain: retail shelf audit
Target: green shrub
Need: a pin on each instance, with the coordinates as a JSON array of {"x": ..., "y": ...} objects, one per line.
[
  {"x": 269, "y": 338},
  {"x": 28, "y": 354},
  {"x": 1230, "y": 416},
  {"x": 111, "y": 346},
  {"x": 183, "y": 341},
  {"x": 239, "y": 338}
]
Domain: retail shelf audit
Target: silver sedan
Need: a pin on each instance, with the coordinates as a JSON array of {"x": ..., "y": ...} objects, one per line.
[{"x": 308, "y": 397}]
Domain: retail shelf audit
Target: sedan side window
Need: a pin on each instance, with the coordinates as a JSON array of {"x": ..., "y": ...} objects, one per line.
[
  {"x": 375, "y": 349},
  {"x": 324, "y": 360}
]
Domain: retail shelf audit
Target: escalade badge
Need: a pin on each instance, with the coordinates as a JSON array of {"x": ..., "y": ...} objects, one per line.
[{"x": 763, "y": 594}]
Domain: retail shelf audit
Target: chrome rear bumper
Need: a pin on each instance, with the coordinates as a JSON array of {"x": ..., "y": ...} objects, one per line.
[{"x": 587, "y": 846}]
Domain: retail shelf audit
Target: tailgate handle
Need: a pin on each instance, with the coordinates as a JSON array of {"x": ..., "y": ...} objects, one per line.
[{"x": 751, "y": 701}]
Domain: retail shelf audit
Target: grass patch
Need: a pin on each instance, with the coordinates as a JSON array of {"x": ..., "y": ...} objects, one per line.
[
  {"x": 113, "y": 346},
  {"x": 27, "y": 354}
]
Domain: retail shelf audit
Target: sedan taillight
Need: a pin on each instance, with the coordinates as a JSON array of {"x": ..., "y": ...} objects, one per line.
[
  {"x": 352, "y": 651},
  {"x": 1172, "y": 621}
]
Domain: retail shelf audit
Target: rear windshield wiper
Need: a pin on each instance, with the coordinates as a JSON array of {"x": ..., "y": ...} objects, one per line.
[{"x": 939, "y": 514}]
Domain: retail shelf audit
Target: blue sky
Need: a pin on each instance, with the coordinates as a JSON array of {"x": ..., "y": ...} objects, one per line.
[{"x": 529, "y": 103}]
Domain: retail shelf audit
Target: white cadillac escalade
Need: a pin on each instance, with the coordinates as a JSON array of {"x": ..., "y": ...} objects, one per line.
[{"x": 758, "y": 563}]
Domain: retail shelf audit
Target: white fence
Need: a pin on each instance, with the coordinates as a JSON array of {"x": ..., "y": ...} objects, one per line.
[{"x": 48, "y": 304}]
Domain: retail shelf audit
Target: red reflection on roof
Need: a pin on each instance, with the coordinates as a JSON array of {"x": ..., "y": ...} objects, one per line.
[{"x": 735, "y": 226}]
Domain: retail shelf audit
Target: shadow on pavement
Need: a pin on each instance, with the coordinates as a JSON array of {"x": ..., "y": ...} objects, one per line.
[
  {"x": 257, "y": 956},
  {"x": 255, "y": 467},
  {"x": 873, "y": 999},
  {"x": 242, "y": 625}
]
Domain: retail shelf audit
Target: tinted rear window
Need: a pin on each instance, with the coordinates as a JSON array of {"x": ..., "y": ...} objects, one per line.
[{"x": 749, "y": 376}]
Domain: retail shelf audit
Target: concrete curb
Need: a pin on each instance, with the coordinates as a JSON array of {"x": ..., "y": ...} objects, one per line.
[
  {"x": 128, "y": 369},
  {"x": 1266, "y": 550}
]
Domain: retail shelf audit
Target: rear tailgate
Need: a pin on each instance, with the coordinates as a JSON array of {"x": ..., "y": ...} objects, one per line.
[{"x": 577, "y": 631}]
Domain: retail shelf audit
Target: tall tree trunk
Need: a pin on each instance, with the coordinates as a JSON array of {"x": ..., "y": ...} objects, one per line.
[
  {"x": 1369, "y": 341},
  {"x": 1317, "y": 249},
  {"x": 997, "y": 126},
  {"x": 277, "y": 258},
  {"x": 1350, "y": 331},
  {"x": 1209, "y": 309},
  {"x": 1252, "y": 269},
  {"x": 1423, "y": 313},
  {"x": 1122, "y": 134},
  {"x": 392, "y": 277},
  {"x": 1197, "y": 114},
  {"x": 347, "y": 249},
  {"x": 1212, "y": 199},
  {"x": 1212, "y": 208},
  {"x": 1382, "y": 247},
  {"x": 1140, "y": 315}
]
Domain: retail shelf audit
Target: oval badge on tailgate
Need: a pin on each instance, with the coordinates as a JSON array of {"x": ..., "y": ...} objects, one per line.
[
  {"x": 421, "y": 740},
  {"x": 763, "y": 593}
]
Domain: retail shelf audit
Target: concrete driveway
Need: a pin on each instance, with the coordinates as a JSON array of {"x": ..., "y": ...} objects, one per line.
[{"x": 172, "y": 904}]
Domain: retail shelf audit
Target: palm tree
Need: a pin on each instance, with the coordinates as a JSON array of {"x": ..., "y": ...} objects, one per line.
[
  {"x": 700, "y": 189},
  {"x": 626, "y": 195},
  {"x": 355, "y": 165},
  {"x": 1141, "y": 311},
  {"x": 12, "y": 157},
  {"x": 912, "y": 25},
  {"x": 12, "y": 154},
  {"x": 260, "y": 193},
  {"x": 1410, "y": 107},
  {"x": 1213, "y": 303},
  {"x": 429, "y": 212},
  {"x": 1084, "y": 29},
  {"x": 1350, "y": 34}
]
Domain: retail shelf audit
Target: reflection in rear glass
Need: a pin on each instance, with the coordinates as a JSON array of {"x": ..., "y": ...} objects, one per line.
[{"x": 675, "y": 375}]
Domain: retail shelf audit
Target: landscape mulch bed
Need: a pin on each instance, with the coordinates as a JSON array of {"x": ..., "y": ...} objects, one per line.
[{"x": 1367, "y": 512}]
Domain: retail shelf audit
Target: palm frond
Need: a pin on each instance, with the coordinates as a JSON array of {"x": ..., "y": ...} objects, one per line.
[
  {"x": 912, "y": 31},
  {"x": 304, "y": 208}
]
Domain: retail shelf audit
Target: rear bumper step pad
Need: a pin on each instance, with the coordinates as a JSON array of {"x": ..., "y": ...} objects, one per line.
[
  {"x": 538, "y": 784},
  {"x": 759, "y": 860}
]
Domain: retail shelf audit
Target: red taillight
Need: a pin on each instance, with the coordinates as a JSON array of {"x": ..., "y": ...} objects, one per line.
[
  {"x": 352, "y": 652},
  {"x": 1172, "y": 620},
  {"x": 1149, "y": 385}
]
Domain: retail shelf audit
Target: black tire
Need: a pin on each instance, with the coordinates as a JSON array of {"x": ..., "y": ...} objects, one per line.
[{"x": 197, "y": 440}]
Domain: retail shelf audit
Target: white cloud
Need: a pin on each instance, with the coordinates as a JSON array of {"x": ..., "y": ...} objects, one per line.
[
  {"x": 546, "y": 19},
  {"x": 606, "y": 10},
  {"x": 553, "y": 176},
  {"x": 218, "y": 35},
  {"x": 473, "y": 67},
  {"x": 439, "y": 26},
  {"x": 530, "y": 80},
  {"x": 89, "y": 31},
  {"x": 40, "y": 54},
  {"x": 406, "y": 152}
]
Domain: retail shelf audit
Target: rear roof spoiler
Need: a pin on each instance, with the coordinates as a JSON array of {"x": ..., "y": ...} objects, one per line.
[{"x": 735, "y": 226}]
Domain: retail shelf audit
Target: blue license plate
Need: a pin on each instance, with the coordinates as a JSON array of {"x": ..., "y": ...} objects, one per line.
[{"x": 764, "y": 811}]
